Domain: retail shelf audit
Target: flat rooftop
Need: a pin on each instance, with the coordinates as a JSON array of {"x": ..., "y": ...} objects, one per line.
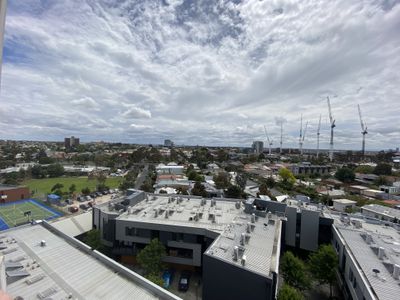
[
  {"x": 344, "y": 201},
  {"x": 381, "y": 209},
  {"x": 60, "y": 270},
  {"x": 261, "y": 246},
  {"x": 384, "y": 285},
  {"x": 182, "y": 211}
]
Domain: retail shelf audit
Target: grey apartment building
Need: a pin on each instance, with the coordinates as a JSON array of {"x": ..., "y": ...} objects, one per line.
[{"x": 236, "y": 245}]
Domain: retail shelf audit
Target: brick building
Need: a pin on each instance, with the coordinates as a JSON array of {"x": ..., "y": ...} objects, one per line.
[{"x": 10, "y": 193}]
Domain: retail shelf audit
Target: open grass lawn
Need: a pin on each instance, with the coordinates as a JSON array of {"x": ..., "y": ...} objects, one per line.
[
  {"x": 12, "y": 214},
  {"x": 43, "y": 186}
]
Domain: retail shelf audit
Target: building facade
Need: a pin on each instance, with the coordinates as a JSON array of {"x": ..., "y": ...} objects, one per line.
[
  {"x": 10, "y": 193},
  {"x": 258, "y": 147},
  {"x": 71, "y": 142}
]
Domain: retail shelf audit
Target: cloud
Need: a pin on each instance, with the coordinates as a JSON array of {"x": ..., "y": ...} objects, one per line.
[
  {"x": 86, "y": 102},
  {"x": 136, "y": 113},
  {"x": 205, "y": 72}
]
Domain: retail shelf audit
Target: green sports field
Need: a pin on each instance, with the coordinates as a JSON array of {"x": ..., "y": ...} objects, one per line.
[
  {"x": 12, "y": 214},
  {"x": 43, "y": 186}
]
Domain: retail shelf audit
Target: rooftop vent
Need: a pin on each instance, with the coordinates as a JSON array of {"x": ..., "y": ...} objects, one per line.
[
  {"x": 381, "y": 252},
  {"x": 253, "y": 218},
  {"x": 396, "y": 271},
  {"x": 368, "y": 239},
  {"x": 243, "y": 239},
  {"x": 243, "y": 261},
  {"x": 42, "y": 243},
  {"x": 237, "y": 204},
  {"x": 235, "y": 253},
  {"x": 249, "y": 227}
]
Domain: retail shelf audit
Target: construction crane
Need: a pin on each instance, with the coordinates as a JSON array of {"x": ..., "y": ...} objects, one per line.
[
  {"x": 363, "y": 132},
  {"x": 318, "y": 133},
  {"x": 281, "y": 142},
  {"x": 270, "y": 142},
  {"x": 332, "y": 122},
  {"x": 302, "y": 135}
]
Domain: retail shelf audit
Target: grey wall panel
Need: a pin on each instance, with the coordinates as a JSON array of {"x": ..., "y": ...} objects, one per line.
[{"x": 309, "y": 230}]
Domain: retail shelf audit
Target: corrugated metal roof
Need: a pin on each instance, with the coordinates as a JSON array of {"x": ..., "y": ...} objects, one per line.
[
  {"x": 76, "y": 225},
  {"x": 65, "y": 268}
]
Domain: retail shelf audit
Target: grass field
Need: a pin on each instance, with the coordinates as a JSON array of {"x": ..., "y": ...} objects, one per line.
[
  {"x": 43, "y": 186},
  {"x": 12, "y": 214}
]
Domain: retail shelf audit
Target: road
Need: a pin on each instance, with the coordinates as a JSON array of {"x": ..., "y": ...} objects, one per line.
[{"x": 141, "y": 177}]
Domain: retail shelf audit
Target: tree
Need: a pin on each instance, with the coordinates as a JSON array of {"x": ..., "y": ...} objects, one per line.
[
  {"x": 57, "y": 186},
  {"x": 38, "y": 171},
  {"x": 381, "y": 180},
  {"x": 345, "y": 174},
  {"x": 85, "y": 191},
  {"x": 93, "y": 239},
  {"x": 72, "y": 188},
  {"x": 194, "y": 176},
  {"x": 323, "y": 264},
  {"x": 287, "y": 177},
  {"x": 241, "y": 180},
  {"x": 150, "y": 257},
  {"x": 364, "y": 169},
  {"x": 383, "y": 169},
  {"x": 234, "y": 191},
  {"x": 286, "y": 292},
  {"x": 199, "y": 189},
  {"x": 55, "y": 170},
  {"x": 221, "y": 180},
  {"x": 294, "y": 271},
  {"x": 270, "y": 182}
]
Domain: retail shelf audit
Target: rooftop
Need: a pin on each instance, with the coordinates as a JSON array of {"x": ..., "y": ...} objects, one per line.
[
  {"x": 391, "y": 212},
  {"x": 43, "y": 264},
  {"x": 344, "y": 201},
  {"x": 364, "y": 239},
  {"x": 257, "y": 244},
  {"x": 188, "y": 211}
]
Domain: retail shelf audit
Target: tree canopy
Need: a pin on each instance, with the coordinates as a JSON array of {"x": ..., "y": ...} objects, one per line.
[
  {"x": 286, "y": 292},
  {"x": 345, "y": 174},
  {"x": 383, "y": 169},
  {"x": 294, "y": 271},
  {"x": 323, "y": 265},
  {"x": 150, "y": 257},
  {"x": 93, "y": 239}
]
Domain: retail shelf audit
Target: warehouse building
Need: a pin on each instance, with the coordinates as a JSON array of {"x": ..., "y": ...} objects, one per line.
[{"x": 381, "y": 212}]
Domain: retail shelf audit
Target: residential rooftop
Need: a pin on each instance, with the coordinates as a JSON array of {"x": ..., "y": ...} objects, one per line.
[
  {"x": 257, "y": 244},
  {"x": 384, "y": 210},
  {"x": 42, "y": 263},
  {"x": 364, "y": 239},
  {"x": 188, "y": 211}
]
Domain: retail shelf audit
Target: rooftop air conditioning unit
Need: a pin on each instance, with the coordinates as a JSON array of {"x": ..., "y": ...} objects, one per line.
[{"x": 243, "y": 261}]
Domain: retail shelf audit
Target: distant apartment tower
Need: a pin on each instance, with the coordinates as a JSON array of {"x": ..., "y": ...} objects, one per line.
[
  {"x": 168, "y": 143},
  {"x": 258, "y": 147},
  {"x": 71, "y": 142}
]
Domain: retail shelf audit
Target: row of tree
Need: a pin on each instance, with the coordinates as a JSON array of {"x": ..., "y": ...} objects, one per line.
[{"x": 321, "y": 268}]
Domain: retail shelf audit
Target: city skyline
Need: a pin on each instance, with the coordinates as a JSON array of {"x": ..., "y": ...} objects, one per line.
[{"x": 201, "y": 73}]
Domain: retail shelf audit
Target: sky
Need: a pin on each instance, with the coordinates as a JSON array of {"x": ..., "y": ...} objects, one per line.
[{"x": 201, "y": 72}]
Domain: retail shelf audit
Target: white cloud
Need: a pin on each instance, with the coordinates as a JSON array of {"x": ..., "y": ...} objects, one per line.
[{"x": 198, "y": 71}]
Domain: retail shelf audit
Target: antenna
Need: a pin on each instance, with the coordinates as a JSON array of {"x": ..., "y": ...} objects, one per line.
[
  {"x": 270, "y": 142},
  {"x": 332, "y": 122},
  {"x": 363, "y": 132},
  {"x": 318, "y": 133}
]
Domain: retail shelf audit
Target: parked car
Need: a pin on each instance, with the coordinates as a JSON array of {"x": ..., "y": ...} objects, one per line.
[
  {"x": 81, "y": 198},
  {"x": 73, "y": 209},
  {"x": 84, "y": 206},
  {"x": 88, "y": 198},
  {"x": 99, "y": 194},
  {"x": 168, "y": 277},
  {"x": 184, "y": 281},
  {"x": 105, "y": 192}
]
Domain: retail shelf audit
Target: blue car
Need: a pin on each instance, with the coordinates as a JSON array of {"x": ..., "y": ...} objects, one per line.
[{"x": 168, "y": 276}]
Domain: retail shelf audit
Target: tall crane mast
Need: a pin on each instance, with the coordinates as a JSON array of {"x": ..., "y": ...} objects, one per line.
[
  {"x": 270, "y": 142},
  {"x": 281, "y": 141},
  {"x": 302, "y": 135},
  {"x": 318, "y": 134},
  {"x": 363, "y": 132},
  {"x": 332, "y": 122}
]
